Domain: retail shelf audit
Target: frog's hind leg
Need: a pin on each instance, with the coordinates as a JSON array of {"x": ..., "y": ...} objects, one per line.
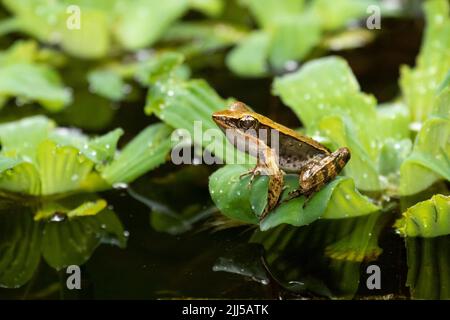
[{"x": 274, "y": 192}]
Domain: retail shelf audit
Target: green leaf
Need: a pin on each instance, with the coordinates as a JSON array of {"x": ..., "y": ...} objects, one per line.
[
  {"x": 72, "y": 242},
  {"x": 234, "y": 198},
  {"x": 145, "y": 152},
  {"x": 428, "y": 263},
  {"x": 267, "y": 11},
  {"x": 211, "y": 8},
  {"x": 430, "y": 218},
  {"x": 33, "y": 82},
  {"x": 420, "y": 85},
  {"x": 20, "y": 242},
  {"x": 430, "y": 159},
  {"x": 48, "y": 21},
  {"x": 195, "y": 38},
  {"x": 232, "y": 194},
  {"x": 339, "y": 199},
  {"x": 292, "y": 38},
  {"x": 62, "y": 169},
  {"x": 107, "y": 84},
  {"x": 341, "y": 12},
  {"x": 92, "y": 39},
  {"x": 22, "y": 137},
  {"x": 142, "y": 22},
  {"x": 326, "y": 87},
  {"x": 361, "y": 244},
  {"x": 249, "y": 57},
  {"x": 72, "y": 206},
  {"x": 188, "y": 107},
  {"x": 19, "y": 176}
]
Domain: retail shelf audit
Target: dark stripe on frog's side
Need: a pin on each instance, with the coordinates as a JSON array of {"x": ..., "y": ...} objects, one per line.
[{"x": 295, "y": 150}]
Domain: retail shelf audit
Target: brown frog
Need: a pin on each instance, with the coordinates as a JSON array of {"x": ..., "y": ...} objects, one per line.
[{"x": 290, "y": 152}]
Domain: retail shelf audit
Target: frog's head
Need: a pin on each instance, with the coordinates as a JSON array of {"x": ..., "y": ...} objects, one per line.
[{"x": 239, "y": 116}]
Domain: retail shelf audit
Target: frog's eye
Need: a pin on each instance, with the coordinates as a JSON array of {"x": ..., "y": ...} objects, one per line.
[{"x": 247, "y": 122}]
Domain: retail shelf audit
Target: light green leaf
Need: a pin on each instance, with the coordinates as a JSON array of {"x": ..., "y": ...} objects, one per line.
[
  {"x": 145, "y": 152},
  {"x": 211, "y": 8},
  {"x": 430, "y": 159},
  {"x": 292, "y": 38},
  {"x": 267, "y": 11},
  {"x": 91, "y": 40},
  {"x": 249, "y": 57},
  {"x": 70, "y": 207},
  {"x": 326, "y": 87},
  {"x": 62, "y": 169},
  {"x": 428, "y": 264},
  {"x": 142, "y": 22},
  {"x": 33, "y": 82},
  {"x": 430, "y": 218},
  {"x": 48, "y": 21},
  {"x": 420, "y": 85},
  {"x": 188, "y": 107},
  {"x": 22, "y": 137},
  {"x": 107, "y": 84},
  {"x": 341, "y": 12},
  {"x": 19, "y": 176}
]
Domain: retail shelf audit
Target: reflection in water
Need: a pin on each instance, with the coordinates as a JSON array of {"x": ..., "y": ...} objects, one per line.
[
  {"x": 323, "y": 259},
  {"x": 428, "y": 267},
  {"x": 61, "y": 242}
]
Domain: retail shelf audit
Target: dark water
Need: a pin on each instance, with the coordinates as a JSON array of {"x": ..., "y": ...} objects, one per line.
[{"x": 165, "y": 256}]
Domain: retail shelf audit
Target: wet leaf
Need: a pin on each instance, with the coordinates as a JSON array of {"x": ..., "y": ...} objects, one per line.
[
  {"x": 430, "y": 158},
  {"x": 145, "y": 152},
  {"x": 20, "y": 242},
  {"x": 430, "y": 218},
  {"x": 420, "y": 84},
  {"x": 428, "y": 263},
  {"x": 34, "y": 83},
  {"x": 249, "y": 57},
  {"x": 72, "y": 242},
  {"x": 234, "y": 198},
  {"x": 188, "y": 107},
  {"x": 39, "y": 159},
  {"x": 107, "y": 84},
  {"x": 143, "y": 22},
  {"x": 70, "y": 207}
]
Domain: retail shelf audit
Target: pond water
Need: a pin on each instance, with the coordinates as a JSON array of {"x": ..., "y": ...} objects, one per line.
[{"x": 140, "y": 249}]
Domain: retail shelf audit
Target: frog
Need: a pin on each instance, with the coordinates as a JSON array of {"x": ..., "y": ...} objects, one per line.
[{"x": 291, "y": 153}]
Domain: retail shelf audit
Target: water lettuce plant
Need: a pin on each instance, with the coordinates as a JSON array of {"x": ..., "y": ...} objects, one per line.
[
  {"x": 288, "y": 31},
  {"x": 105, "y": 24},
  {"x": 60, "y": 243},
  {"x": 26, "y": 74},
  {"x": 40, "y": 159}
]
